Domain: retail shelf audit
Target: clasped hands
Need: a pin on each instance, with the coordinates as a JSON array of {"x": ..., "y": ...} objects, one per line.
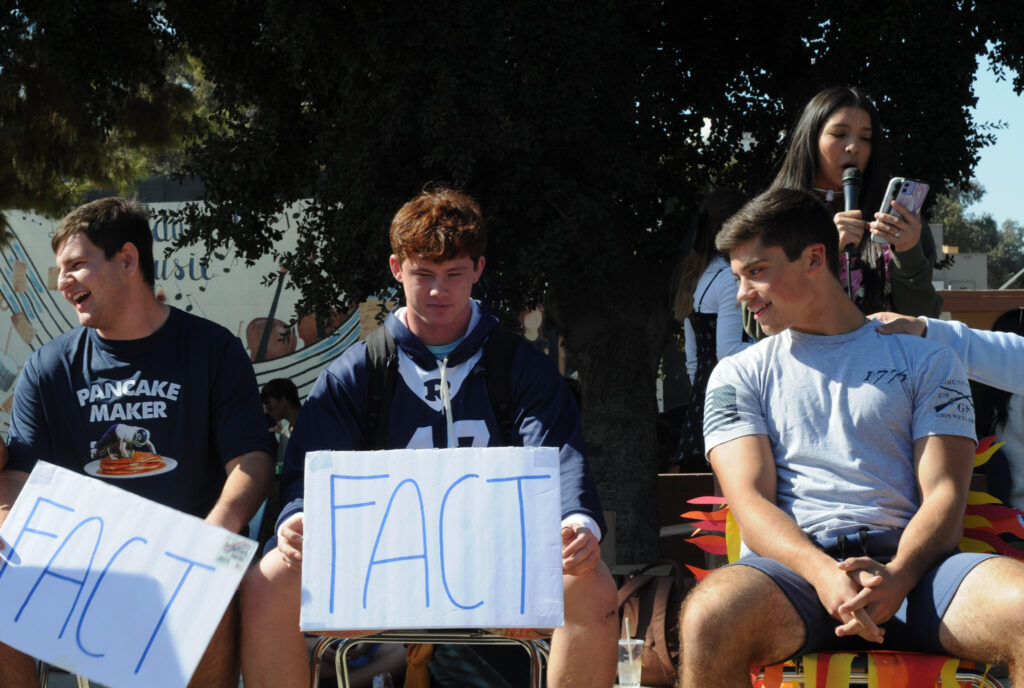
[{"x": 872, "y": 599}]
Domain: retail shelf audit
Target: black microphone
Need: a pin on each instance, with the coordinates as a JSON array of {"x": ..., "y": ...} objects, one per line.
[
  {"x": 851, "y": 188},
  {"x": 851, "y": 194}
]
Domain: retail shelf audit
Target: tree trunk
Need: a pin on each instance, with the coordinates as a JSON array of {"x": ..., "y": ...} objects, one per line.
[{"x": 616, "y": 339}]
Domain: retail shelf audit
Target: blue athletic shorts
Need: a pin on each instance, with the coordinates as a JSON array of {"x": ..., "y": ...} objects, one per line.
[{"x": 914, "y": 628}]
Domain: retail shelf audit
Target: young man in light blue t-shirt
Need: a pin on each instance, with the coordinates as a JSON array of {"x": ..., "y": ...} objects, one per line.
[{"x": 845, "y": 457}]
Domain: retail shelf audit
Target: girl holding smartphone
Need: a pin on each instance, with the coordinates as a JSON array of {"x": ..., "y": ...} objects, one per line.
[{"x": 839, "y": 128}]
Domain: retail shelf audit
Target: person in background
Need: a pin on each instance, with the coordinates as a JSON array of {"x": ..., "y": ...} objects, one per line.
[
  {"x": 281, "y": 402},
  {"x": 840, "y": 128},
  {"x": 1001, "y": 413},
  {"x": 705, "y": 301},
  {"x": 999, "y": 410}
]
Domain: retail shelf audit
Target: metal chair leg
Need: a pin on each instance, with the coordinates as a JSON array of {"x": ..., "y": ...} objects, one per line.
[{"x": 314, "y": 660}]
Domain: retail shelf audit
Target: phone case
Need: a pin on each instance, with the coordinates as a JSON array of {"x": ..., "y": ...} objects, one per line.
[{"x": 910, "y": 193}]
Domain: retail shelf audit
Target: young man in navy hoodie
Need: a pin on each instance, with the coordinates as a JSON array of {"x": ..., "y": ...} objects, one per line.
[{"x": 438, "y": 241}]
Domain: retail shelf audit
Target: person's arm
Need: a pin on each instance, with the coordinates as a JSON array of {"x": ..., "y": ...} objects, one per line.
[
  {"x": 238, "y": 430},
  {"x": 545, "y": 414},
  {"x": 912, "y": 290},
  {"x": 249, "y": 477},
  {"x": 690, "y": 348},
  {"x": 746, "y": 471},
  {"x": 333, "y": 418},
  {"x": 993, "y": 358},
  {"x": 943, "y": 464},
  {"x": 11, "y": 482}
]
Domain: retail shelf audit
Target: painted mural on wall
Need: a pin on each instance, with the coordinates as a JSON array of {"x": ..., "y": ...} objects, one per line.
[{"x": 223, "y": 289}]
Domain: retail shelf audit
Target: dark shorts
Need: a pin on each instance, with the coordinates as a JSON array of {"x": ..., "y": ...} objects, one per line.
[{"x": 914, "y": 628}]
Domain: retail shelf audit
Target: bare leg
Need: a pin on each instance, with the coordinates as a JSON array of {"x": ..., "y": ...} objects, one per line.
[
  {"x": 985, "y": 620},
  {"x": 735, "y": 619},
  {"x": 583, "y": 651},
  {"x": 17, "y": 668},
  {"x": 218, "y": 667},
  {"x": 273, "y": 648}
]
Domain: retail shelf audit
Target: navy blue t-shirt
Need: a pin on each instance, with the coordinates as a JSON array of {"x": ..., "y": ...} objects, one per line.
[{"x": 158, "y": 416}]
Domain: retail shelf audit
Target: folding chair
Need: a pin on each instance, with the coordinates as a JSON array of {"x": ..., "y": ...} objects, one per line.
[
  {"x": 44, "y": 677},
  {"x": 536, "y": 649}
]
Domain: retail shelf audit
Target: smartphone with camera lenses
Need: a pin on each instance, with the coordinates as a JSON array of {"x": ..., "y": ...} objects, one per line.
[{"x": 910, "y": 193}]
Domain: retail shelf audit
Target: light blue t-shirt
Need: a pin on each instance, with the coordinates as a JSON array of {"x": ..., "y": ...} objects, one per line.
[{"x": 842, "y": 414}]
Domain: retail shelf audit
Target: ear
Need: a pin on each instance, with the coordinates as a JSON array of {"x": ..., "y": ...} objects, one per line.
[
  {"x": 129, "y": 258},
  {"x": 815, "y": 255},
  {"x": 478, "y": 269},
  {"x": 396, "y": 267}
]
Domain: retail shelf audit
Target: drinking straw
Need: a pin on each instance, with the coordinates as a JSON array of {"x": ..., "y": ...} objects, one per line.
[{"x": 629, "y": 650}]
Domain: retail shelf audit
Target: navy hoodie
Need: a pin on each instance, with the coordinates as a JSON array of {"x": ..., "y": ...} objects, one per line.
[{"x": 544, "y": 410}]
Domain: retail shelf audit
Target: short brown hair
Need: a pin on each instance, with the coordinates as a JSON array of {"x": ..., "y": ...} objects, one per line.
[
  {"x": 110, "y": 223},
  {"x": 439, "y": 224},
  {"x": 788, "y": 218}
]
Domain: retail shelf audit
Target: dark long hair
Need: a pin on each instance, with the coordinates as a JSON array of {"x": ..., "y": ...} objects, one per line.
[
  {"x": 718, "y": 207},
  {"x": 991, "y": 404},
  {"x": 800, "y": 166}
]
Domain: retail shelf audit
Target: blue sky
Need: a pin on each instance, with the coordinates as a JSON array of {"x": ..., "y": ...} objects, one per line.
[{"x": 998, "y": 169}]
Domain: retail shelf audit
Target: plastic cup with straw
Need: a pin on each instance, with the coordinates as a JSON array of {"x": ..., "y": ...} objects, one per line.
[{"x": 629, "y": 658}]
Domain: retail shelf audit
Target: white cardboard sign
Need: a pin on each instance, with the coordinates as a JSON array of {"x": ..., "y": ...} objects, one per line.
[
  {"x": 111, "y": 586},
  {"x": 432, "y": 538}
]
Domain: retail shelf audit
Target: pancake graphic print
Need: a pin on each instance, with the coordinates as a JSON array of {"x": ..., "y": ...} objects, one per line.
[{"x": 125, "y": 451}]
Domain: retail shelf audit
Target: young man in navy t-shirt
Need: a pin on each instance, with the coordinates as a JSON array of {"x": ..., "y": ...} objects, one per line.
[{"x": 141, "y": 391}]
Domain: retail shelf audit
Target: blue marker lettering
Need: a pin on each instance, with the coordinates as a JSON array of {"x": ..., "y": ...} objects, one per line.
[
  {"x": 444, "y": 575},
  {"x": 81, "y": 583},
  {"x": 26, "y": 529},
  {"x": 423, "y": 526},
  {"x": 522, "y": 531},
  {"x": 85, "y": 609},
  {"x": 174, "y": 596},
  {"x": 334, "y": 522}
]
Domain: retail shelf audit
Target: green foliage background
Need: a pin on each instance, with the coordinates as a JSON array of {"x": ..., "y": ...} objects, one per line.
[{"x": 588, "y": 131}]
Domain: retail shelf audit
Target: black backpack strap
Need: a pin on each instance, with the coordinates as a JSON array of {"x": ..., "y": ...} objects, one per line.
[
  {"x": 496, "y": 364},
  {"x": 382, "y": 358}
]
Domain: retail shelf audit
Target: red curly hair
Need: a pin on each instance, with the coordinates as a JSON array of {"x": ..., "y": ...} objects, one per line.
[{"x": 438, "y": 225}]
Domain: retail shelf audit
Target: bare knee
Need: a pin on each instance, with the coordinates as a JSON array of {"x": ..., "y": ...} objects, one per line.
[
  {"x": 591, "y": 597},
  {"x": 985, "y": 620},
  {"x": 724, "y": 616},
  {"x": 707, "y": 610},
  {"x": 269, "y": 588}
]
